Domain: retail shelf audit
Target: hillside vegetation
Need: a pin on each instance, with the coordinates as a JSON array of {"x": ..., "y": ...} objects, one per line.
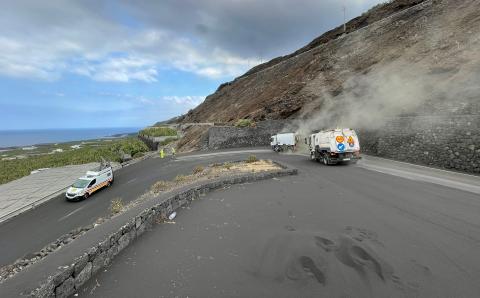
[
  {"x": 17, "y": 168},
  {"x": 158, "y": 132}
]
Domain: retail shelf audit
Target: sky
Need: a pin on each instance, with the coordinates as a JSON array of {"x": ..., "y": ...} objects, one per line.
[{"x": 122, "y": 63}]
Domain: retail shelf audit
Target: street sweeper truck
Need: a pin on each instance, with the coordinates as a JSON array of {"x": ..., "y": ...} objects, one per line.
[{"x": 334, "y": 146}]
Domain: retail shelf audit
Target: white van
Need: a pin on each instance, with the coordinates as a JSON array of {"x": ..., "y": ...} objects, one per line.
[{"x": 90, "y": 183}]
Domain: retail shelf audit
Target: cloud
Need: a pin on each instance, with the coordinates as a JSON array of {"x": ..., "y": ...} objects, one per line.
[
  {"x": 128, "y": 40},
  {"x": 189, "y": 102},
  {"x": 184, "y": 103},
  {"x": 123, "y": 69}
]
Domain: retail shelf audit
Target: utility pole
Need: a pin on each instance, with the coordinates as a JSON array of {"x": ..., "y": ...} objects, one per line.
[{"x": 344, "y": 17}]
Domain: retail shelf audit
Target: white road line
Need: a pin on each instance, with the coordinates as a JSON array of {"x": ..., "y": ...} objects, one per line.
[
  {"x": 371, "y": 157},
  {"x": 426, "y": 177},
  {"x": 71, "y": 213},
  {"x": 130, "y": 181}
]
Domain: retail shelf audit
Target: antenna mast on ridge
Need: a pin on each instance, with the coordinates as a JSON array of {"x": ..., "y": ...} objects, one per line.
[{"x": 344, "y": 7}]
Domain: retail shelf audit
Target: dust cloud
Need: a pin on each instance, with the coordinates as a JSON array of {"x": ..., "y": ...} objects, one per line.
[{"x": 440, "y": 84}]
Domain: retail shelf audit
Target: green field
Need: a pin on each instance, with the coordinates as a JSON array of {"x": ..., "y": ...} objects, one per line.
[{"x": 43, "y": 156}]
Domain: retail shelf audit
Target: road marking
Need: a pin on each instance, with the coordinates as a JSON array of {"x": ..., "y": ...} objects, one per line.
[
  {"x": 423, "y": 177},
  {"x": 72, "y": 213},
  {"x": 372, "y": 158},
  {"x": 130, "y": 181}
]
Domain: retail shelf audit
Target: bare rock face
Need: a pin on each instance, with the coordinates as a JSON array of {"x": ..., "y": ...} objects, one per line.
[{"x": 401, "y": 58}]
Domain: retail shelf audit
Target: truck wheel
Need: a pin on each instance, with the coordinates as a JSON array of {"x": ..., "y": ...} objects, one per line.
[{"x": 325, "y": 160}]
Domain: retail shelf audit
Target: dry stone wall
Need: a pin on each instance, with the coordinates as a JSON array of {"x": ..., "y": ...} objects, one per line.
[
  {"x": 444, "y": 141},
  {"x": 222, "y": 137},
  {"x": 69, "y": 279},
  {"x": 451, "y": 142}
]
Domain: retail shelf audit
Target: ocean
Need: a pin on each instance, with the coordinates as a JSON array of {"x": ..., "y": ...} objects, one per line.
[{"x": 18, "y": 138}]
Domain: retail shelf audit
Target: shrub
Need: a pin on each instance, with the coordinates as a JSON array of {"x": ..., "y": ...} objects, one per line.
[
  {"x": 116, "y": 206},
  {"x": 245, "y": 123},
  {"x": 167, "y": 141},
  {"x": 160, "y": 186},
  {"x": 198, "y": 169},
  {"x": 138, "y": 154},
  {"x": 180, "y": 178},
  {"x": 132, "y": 146},
  {"x": 227, "y": 165},
  {"x": 251, "y": 158}
]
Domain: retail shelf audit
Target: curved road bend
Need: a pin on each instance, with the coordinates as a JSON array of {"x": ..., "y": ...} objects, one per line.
[
  {"x": 31, "y": 231},
  {"x": 274, "y": 238}
]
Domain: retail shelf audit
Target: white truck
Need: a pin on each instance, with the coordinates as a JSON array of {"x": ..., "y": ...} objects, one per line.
[
  {"x": 283, "y": 142},
  {"x": 90, "y": 183},
  {"x": 334, "y": 146}
]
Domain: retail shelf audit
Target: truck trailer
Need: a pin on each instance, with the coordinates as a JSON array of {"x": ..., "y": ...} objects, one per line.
[
  {"x": 283, "y": 142},
  {"x": 334, "y": 146}
]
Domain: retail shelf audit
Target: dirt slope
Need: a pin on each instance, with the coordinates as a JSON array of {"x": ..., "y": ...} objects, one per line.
[{"x": 418, "y": 59}]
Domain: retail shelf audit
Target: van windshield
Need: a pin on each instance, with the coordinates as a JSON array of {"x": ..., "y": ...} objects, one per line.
[{"x": 80, "y": 183}]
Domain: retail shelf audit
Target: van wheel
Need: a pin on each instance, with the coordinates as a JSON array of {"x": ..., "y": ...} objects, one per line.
[
  {"x": 86, "y": 195},
  {"x": 109, "y": 183}
]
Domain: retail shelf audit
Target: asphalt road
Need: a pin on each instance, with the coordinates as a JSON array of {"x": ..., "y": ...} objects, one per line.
[
  {"x": 31, "y": 231},
  {"x": 331, "y": 231}
]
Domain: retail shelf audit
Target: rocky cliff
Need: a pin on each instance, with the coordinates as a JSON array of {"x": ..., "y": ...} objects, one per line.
[
  {"x": 406, "y": 76},
  {"x": 403, "y": 57}
]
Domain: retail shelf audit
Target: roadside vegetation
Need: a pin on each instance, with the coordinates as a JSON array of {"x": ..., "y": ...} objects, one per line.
[
  {"x": 158, "y": 132},
  {"x": 111, "y": 151},
  {"x": 167, "y": 141},
  {"x": 251, "y": 159},
  {"x": 116, "y": 206},
  {"x": 201, "y": 173},
  {"x": 245, "y": 123},
  {"x": 198, "y": 169}
]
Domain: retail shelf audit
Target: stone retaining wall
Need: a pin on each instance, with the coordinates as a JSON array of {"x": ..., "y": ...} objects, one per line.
[
  {"x": 223, "y": 137},
  {"x": 448, "y": 141},
  {"x": 151, "y": 143},
  {"x": 71, "y": 277},
  {"x": 451, "y": 142}
]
